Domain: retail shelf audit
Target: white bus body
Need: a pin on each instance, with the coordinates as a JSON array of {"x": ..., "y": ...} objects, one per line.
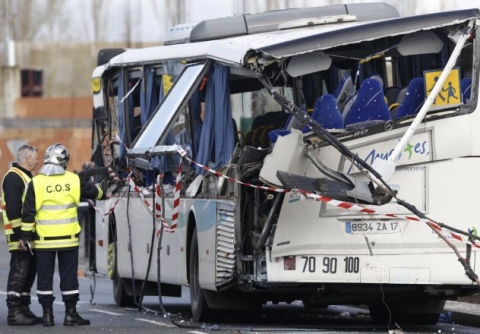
[{"x": 293, "y": 218}]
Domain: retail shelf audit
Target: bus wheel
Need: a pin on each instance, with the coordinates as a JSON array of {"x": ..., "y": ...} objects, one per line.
[
  {"x": 200, "y": 309},
  {"x": 120, "y": 295}
]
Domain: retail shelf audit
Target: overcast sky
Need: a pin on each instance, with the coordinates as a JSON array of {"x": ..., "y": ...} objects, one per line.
[
  {"x": 202, "y": 9},
  {"x": 153, "y": 22}
]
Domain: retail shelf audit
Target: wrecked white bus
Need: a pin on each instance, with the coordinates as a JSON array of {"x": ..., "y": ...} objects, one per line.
[{"x": 329, "y": 155}]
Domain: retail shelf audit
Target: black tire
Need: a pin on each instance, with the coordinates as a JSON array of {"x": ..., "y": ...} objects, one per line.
[
  {"x": 200, "y": 310},
  {"x": 120, "y": 295}
]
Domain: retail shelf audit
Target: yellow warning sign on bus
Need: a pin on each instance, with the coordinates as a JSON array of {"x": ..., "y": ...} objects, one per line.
[
  {"x": 167, "y": 83},
  {"x": 450, "y": 93}
]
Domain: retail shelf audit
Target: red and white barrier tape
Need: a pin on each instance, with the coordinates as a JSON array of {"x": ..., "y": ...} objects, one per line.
[
  {"x": 112, "y": 207},
  {"x": 142, "y": 197},
  {"x": 183, "y": 153},
  {"x": 176, "y": 196},
  {"x": 340, "y": 204},
  {"x": 363, "y": 210},
  {"x": 158, "y": 204},
  {"x": 112, "y": 174}
]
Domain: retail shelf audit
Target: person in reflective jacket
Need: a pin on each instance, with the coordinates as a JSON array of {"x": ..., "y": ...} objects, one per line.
[
  {"x": 23, "y": 266},
  {"x": 50, "y": 221}
]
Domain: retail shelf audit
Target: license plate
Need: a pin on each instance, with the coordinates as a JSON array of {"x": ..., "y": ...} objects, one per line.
[{"x": 376, "y": 227}]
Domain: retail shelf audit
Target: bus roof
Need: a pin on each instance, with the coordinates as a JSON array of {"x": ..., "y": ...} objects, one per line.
[
  {"x": 368, "y": 31},
  {"x": 252, "y": 24},
  {"x": 284, "y": 43}
]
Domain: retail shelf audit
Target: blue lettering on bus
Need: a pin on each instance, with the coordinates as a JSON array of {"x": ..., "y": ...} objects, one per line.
[{"x": 417, "y": 148}]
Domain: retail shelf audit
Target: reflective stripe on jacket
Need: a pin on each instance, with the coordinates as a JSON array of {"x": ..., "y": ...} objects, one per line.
[
  {"x": 12, "y": 239},
  {"x": 56, "y": 199}
]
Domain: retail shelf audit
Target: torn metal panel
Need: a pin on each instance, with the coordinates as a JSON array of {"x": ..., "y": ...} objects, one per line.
[{"x": 354, "y": 33}]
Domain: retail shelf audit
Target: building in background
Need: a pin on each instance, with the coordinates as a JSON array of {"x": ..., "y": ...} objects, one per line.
[{"x": 45, "y": 98}]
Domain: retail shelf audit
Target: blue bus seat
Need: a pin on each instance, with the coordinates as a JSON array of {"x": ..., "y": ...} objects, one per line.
[
  {"x": 369, "y": 104},
  {"x": 326, "y": 113},
  {"x": 378, "y": 78},
  {"x": 413, "y": 100}
]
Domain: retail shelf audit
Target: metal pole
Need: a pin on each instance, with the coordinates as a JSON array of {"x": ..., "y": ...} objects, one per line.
[
  {"x": 431, "y": 97},
  {"x": 386, "y": 168}
]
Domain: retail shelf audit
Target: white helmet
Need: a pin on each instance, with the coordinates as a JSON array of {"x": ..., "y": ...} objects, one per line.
[{"x": 57, "y": 154}]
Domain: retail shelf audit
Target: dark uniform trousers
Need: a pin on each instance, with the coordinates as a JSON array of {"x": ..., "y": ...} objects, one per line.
[
  {"x": 20, "y": 278},
  {"x": 67, "y": 268}
]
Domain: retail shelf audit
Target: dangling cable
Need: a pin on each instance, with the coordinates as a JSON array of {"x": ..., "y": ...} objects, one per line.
[
  {"x": 159, "y": 246},
  {"x": 151, "y": 249},
  {"x": 130, "y": 245}
]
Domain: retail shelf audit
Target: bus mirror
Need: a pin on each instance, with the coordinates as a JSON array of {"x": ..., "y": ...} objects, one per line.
[
  {"x": 154, "y": 151},
  {"x": 422, "y": 42},
  {"x": 141, "y": 163},
  {"x": 308, "y": 63}
]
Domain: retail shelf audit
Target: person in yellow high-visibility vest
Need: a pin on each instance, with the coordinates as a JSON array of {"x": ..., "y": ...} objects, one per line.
[
  {"x": 50, "y": 221},
  {"x": 23, "y": 266}
]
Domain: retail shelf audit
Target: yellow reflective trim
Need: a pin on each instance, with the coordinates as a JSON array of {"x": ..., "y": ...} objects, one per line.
[
  {"x": 48, "y": 244},
  {"x": 100, "y": 193},
  {"x": 13, "y": 245},
  {"x": 28, "y": 227},
  {"x": 58, "y": 221},
  {"x": 53, "y": 207},
  {"x": 16, "y": 223}
]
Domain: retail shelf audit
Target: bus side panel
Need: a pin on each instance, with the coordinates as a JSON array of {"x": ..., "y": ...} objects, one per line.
[
  {"x": 139, "y": 217},
  {"x": 205, "y": 217},
  {"x": 101, "y": 238},
  {"x": 208, "y": 215},
  {"x": 174, "y": 248},
  {"x": 333, "y": 247},
  {"x": 134, "y": 213}
]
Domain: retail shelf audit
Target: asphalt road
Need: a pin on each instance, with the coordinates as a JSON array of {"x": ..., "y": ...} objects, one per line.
[{"x": 97, "y": 305}]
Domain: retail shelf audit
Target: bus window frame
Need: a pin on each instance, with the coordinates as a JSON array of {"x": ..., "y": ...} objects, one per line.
[{"x": 159, "y": 124}]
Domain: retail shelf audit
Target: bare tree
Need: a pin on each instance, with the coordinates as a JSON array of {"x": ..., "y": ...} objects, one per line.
[
  {"x": 171, "y": 12},
  {"x": 273, "y": 4},
  {"x": 26, "y": 19},
  {"x": 165, "y": 13},
  {"x": 56, "y": 22},
  {"x": 127, "y": 24},
  {"x": 99, "y": 19}
]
